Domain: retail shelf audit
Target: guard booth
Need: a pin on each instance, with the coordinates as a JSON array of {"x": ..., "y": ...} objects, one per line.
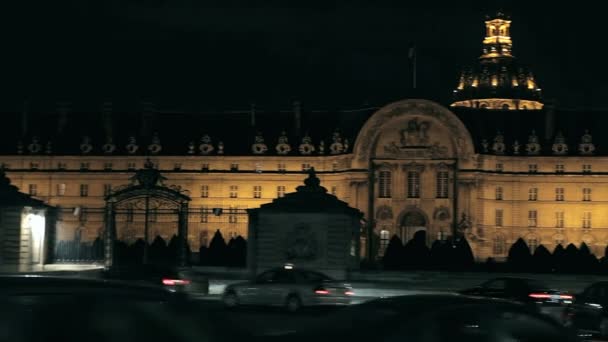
[
  {"x": 26, "y": 227},
  {"x": 308, "y": 228}
]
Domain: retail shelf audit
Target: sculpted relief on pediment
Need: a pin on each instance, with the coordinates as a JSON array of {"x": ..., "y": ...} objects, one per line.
[{"x": 415, "y": 142}]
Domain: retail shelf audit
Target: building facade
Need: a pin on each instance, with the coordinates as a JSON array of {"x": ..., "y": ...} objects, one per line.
[{"x": 511, "y": 168}]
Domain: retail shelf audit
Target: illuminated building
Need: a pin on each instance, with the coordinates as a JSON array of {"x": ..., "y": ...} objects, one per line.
[{"x": 524, "y": 170}]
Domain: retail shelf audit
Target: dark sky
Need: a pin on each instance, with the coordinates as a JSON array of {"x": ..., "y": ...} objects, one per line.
[{"x": 226, "y": 54}]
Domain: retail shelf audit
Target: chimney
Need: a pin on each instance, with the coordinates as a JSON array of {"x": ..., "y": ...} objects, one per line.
[
  {"x": 297, "y": 118},
  {"x": 549, "y": 120},
  {"x": 106, "y": 117},
  {"x": 252, "y": 114},
  {"x": 63, "y": 108}
]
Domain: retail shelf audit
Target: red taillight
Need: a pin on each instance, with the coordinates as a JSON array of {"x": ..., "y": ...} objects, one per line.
[
  {"x": 173, "y": 282},
  {"x": 349, "y": 293},
  {"x": 539, "y": 295},
  {"x": 568, "y": 297},
  {"x": 321, "y": 291}
]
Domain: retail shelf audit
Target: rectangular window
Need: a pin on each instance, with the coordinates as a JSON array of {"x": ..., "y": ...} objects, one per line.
[
  {"x": 280, "y": 191},
  {"x": 499, "y": 245},
  {"x": 83, "y": 215},
  {"x": 107, "y": 189},
  {"x": 234, "y": 167},
  {"x": 33, "y": 189},
  {"x": 334, "y": 190},
  {"x": 413, "y": 184},
  {"x": 84, "y": 166},
  {"x": 257, "y": 191},
  {"x": 587, "y": 219},
  {"x": 384, "y": 184},
  {"x": 34, "y": 166},
  {"x": 334, "y": 166},
  {"x": 204, "y": 191},
  {"x": 586, "y": 194},
  {"x": 258, "y": 167},
  {"x": 559, "y": 168},
  {"x": 499, "y": 193},
  {"x": 499, "y": 221},
  {"x": 177, "y": 166},
  {"x": 281, "y": 167},
  {"x": 442, "y": 236},
  {"x": 532, "y": 218},
  {"x": 205, "y": 167},
  {"x": 232, "y": 215},
  {"x": 442, "y": 184},
  {"x": 61, "y": 166},
  {"x": 586, "y": 168},
  {"x": 61, "y": 189},
  {"x": 204, "y": 212},
  {"x": 84, "y": 190},
  {"x": 499, "y": 167},
  {"x": 559, "y": 219},
  {"x": 533, "y": 194},
  {"x": 5, "y": 166},
  {"x": 305, "y": 167},
  {"x": 203, "y": 237},
  {"x": 107, "y": 166},
  {"x": 533, "y": 168},
  {"x": 131, "y": 166},
  {"x": 559, "y": 194},
  {"x": 234, "y": 191}
]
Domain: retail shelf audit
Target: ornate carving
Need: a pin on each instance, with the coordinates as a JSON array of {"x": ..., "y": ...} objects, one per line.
[
  {"x": 148, "y": 177},
  {"x": 416, "y": 134},
  {"x": 559, "y": 146},
  {"x": 441, "y": 213},
  {"x": 132, "y": 146},
  {"x": 259, "y": 147},
  {"x": 85, "y": 145},
  {"x": 155, "y": 147},
  {"x": 302, "y": 243},
  {"x": 586, "y": 146},
  {"x": 498, "y": 147},
  {"x": 205, "y": 147},
  {"x": 384, "y": 213},
  {"x": 109, "y": 147},
  {"x": 464, "y": 224},
  {"x": 283, "y": 146},
  {"x": 322, "y": 147},
  {"x": 220, "y": 147},
  {"x": 533, "y": 147},
  {"x": 34, "y": 147},
  {"x": 191, "y": 147},
  {"x": 413, "y": 166},
  {"x": 337, "y": 147},
  {"x": 306, "y": 147}
]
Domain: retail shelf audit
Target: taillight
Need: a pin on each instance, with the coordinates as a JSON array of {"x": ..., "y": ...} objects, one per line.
[
  {"x": 173, "y": 282},
  {"x": 321, "y": 291},
  {"x": 539, "y": 295},
  {"x": 567, "y": 297},
  {"x": 349, "y": 293}
]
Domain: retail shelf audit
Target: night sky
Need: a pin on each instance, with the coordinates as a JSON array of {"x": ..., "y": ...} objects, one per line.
[{"x": 193, "y": 54}]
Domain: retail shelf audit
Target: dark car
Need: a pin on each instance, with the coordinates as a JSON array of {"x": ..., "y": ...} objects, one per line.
[
  {"x": 42, "y": 308},
  {"x": 440, "y": 317},
  {"x": 589, "y": 311},
  {"x": 524, "y": 290},
  {"x": 172, "y": 278}
]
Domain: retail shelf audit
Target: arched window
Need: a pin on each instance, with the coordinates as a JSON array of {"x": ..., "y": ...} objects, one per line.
[{"x": 505, "y": 107}]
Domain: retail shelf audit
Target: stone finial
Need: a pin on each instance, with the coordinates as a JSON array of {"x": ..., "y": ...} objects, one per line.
[
  {"x": 259, "y": 147},
  {"x": 498, "y": 147},
  {"x": 586, "y": 146},
  {"x": 559, "y": 146},
  {"x": 283, "y": 146}
]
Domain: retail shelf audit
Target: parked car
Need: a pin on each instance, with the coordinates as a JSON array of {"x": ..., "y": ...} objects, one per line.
[
  {"x": 434, "y": 318},
  {"x": 46, "y": 308},
  {"x": 174, "y": 279},
  {"x": 589, "y": 311},
  {"x": 524, "y": 290},
  {"x": 290, "y": 288}
]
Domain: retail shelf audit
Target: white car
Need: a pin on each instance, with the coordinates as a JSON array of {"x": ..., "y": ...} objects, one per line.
[{"x": 290, "y": 288}]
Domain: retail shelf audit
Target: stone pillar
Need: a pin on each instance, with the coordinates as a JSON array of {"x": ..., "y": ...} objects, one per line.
[
  {"x": 110, "y": 234},
  {"x": 182, "y": 235}
]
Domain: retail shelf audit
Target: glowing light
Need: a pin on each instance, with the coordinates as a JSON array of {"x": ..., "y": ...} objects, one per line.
[
  {"x": 288, "y": 266},
  {"x": 349, "y": 293},
  {"x": 321, "y": 292},
  {"x": 174, "y": 282}
]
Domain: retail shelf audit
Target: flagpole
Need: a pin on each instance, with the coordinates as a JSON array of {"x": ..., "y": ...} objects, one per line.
[{"x": 414, "y": 74}]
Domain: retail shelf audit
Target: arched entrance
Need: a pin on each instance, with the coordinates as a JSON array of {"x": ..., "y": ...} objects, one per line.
[
  {"x": 411, "y": 222},
  {"x": 139, "y": 207}
]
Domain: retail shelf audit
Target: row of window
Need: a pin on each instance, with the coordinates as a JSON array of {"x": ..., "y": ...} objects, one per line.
[
  {"x": 203, "y": 212},
  {"x": 281, "y": 167},
  {"x": 533, "y": 218},
  {"x": 533, "y": 168},
  {"x": 533, "y": 194},
  {"x": 107, "y": 188},
  {"x": 413, "y": 184}
]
